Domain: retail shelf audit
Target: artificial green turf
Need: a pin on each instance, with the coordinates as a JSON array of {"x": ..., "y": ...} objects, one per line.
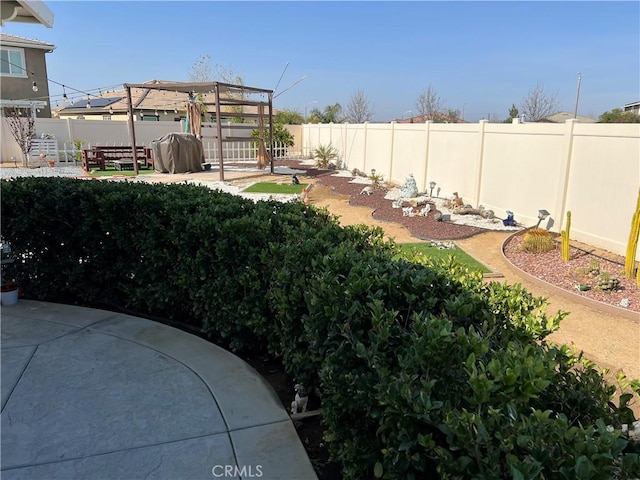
[
  {"x": 434, "y": 252},
  {"x": 110, "y": 171},
  {"x": 269, "y": 187}
]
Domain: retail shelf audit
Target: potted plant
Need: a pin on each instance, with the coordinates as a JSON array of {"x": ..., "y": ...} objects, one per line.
[{"x": 8, "y": 293}]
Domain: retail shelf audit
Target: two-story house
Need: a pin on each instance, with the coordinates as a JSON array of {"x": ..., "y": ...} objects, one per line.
[{"x": 23, "y": 74}]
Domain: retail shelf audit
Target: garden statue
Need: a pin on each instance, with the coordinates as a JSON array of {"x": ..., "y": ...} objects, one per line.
[
  {"x": 294, "y": 179},
  {"x": 457, "y": 201},
  {"x": 407, "y": 212},
  {"x": 509, "y": 221},
  {"x": 367, "y": 191},
  {"x": 409, "y": 189},
  {"x": 299, "y": 404},
  {"x": 425, "y": 210}
]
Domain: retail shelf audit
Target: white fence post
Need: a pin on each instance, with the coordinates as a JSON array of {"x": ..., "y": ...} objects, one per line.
[
  {"x": 364, "y": 149},
  {"x": 480, "y": 161},
  {"x": 427, "y": 133},
  {"x": 393, "y": 133},
  {"x": 565, "y": 170}
]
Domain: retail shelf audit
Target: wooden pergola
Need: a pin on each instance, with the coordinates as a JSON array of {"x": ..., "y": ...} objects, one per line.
[{"x": 229, "y": 101}]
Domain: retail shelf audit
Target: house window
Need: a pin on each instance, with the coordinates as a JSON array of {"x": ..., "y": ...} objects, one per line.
[{"x": 12, "y": 62}]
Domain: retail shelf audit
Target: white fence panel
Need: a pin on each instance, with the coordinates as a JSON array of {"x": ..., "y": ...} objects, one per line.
[{"x": 519, "y": 167}]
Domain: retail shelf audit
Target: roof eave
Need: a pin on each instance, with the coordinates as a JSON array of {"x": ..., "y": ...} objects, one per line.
[{"x": 26, "y": 11}]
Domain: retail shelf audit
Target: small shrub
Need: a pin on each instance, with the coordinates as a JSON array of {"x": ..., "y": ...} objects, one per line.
[
  {"x": 324, "y": 154},
  {"x": 607, "y": 283},
  {"x": 537, "y": 240},
  {"x": 376, "y": 179}
]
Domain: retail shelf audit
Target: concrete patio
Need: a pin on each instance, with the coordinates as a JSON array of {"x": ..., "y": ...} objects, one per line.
[{"x": 96, "y": 394}]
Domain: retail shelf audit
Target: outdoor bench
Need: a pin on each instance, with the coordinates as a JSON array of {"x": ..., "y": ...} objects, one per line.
[{"x": 120, "y": 156}]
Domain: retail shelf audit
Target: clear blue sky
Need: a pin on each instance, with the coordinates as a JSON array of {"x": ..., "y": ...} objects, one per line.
[{"x": 478, "y": 56}]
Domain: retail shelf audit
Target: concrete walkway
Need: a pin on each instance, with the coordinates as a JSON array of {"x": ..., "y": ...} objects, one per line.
[{"x": 92, "y": 394}]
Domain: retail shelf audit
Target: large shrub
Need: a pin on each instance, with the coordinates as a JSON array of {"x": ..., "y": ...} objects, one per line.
[{"x": 423, "y": 369}]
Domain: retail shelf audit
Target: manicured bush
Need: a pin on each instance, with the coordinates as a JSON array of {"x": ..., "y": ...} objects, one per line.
[{"x": 423, "y": 369}]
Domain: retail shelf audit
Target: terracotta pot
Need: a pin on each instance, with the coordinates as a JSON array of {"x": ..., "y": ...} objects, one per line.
[{"x": 51, "y": 163}]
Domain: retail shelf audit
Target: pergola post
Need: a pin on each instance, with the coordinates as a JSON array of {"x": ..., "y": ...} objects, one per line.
[
  {"x": 219, "y": 130},
  {"x": 132, "y": 130},
  {"x": 271, "y": 129}
]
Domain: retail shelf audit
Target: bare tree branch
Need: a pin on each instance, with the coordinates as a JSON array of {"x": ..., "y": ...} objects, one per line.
[
  {"x": 429, "y": 104},
  {"x": 538, "y": 104},
  {"x": 22, "y": 127},
  {"x": 359, "y": 109}
]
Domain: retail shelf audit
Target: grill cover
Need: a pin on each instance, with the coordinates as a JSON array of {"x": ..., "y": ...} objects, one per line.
[{"x": 177, "y": 153}]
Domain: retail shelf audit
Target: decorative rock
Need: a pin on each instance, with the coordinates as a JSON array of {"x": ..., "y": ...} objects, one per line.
[
  {"x": 443, "y": 245},
  {"x": 396, "y": 203},
  {"x": 410, "y": 189},
  {"x": 407, "y": 212},
  {"x": 418, "y": 202},
  {"x": 624, "y": 302},
  {"x": 367, "y": 191}
]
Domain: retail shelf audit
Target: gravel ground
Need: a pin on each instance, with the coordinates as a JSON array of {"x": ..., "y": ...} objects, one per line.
[
  {"x": 548, "y": 267},
  {"x": 567, "y": 275},
  {"x": 425, "y": 227},
  {"x": 57, "y": 171}
]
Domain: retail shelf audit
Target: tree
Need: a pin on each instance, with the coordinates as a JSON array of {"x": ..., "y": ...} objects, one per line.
[
  {"x": 204, "y": 71},
  {"x": 430, "y": 104},
  {"x": 22, "y": 127},
  {"x": 280, "y": 134},
  {"x": 359, "y": 109},
  {"x": 288, "y": 117},
  {"x": 538, "y": 104},
  {"x": 513, "y": 113},
  {"x": 451, "y": 115},
  {"x": 618, "y": 116},
  {"x": 330, "y": 114}
]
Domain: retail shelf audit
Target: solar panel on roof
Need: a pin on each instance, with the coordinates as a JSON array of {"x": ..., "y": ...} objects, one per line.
[{"x": 96, "y": 102}]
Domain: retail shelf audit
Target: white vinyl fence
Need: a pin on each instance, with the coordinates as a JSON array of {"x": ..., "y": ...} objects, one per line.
[
  {"x": 592, "y": 170},
  {"x": 74, "y": 135}
]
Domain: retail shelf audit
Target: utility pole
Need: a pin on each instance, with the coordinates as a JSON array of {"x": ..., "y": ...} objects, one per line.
[{"x": 575, "y": 112}]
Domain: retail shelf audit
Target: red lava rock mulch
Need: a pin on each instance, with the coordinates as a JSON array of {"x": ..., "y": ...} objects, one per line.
[{"x": 426, "y": 228}]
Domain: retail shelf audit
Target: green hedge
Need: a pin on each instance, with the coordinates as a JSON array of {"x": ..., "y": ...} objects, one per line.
[{"x": 423, "y": 369}]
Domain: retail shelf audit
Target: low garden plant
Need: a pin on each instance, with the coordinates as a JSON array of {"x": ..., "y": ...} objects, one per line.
[
  {"x": 423, "y": 370},
  {"x": 276, "y": 188}
]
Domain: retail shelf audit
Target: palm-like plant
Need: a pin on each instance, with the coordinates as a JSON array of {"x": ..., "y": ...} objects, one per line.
[{"x": 324, "y": 154}]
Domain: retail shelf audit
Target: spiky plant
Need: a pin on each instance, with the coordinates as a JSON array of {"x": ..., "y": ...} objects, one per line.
[
  {"x": 537, "y": 240},
  {"x": 324, "y": 154}
]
